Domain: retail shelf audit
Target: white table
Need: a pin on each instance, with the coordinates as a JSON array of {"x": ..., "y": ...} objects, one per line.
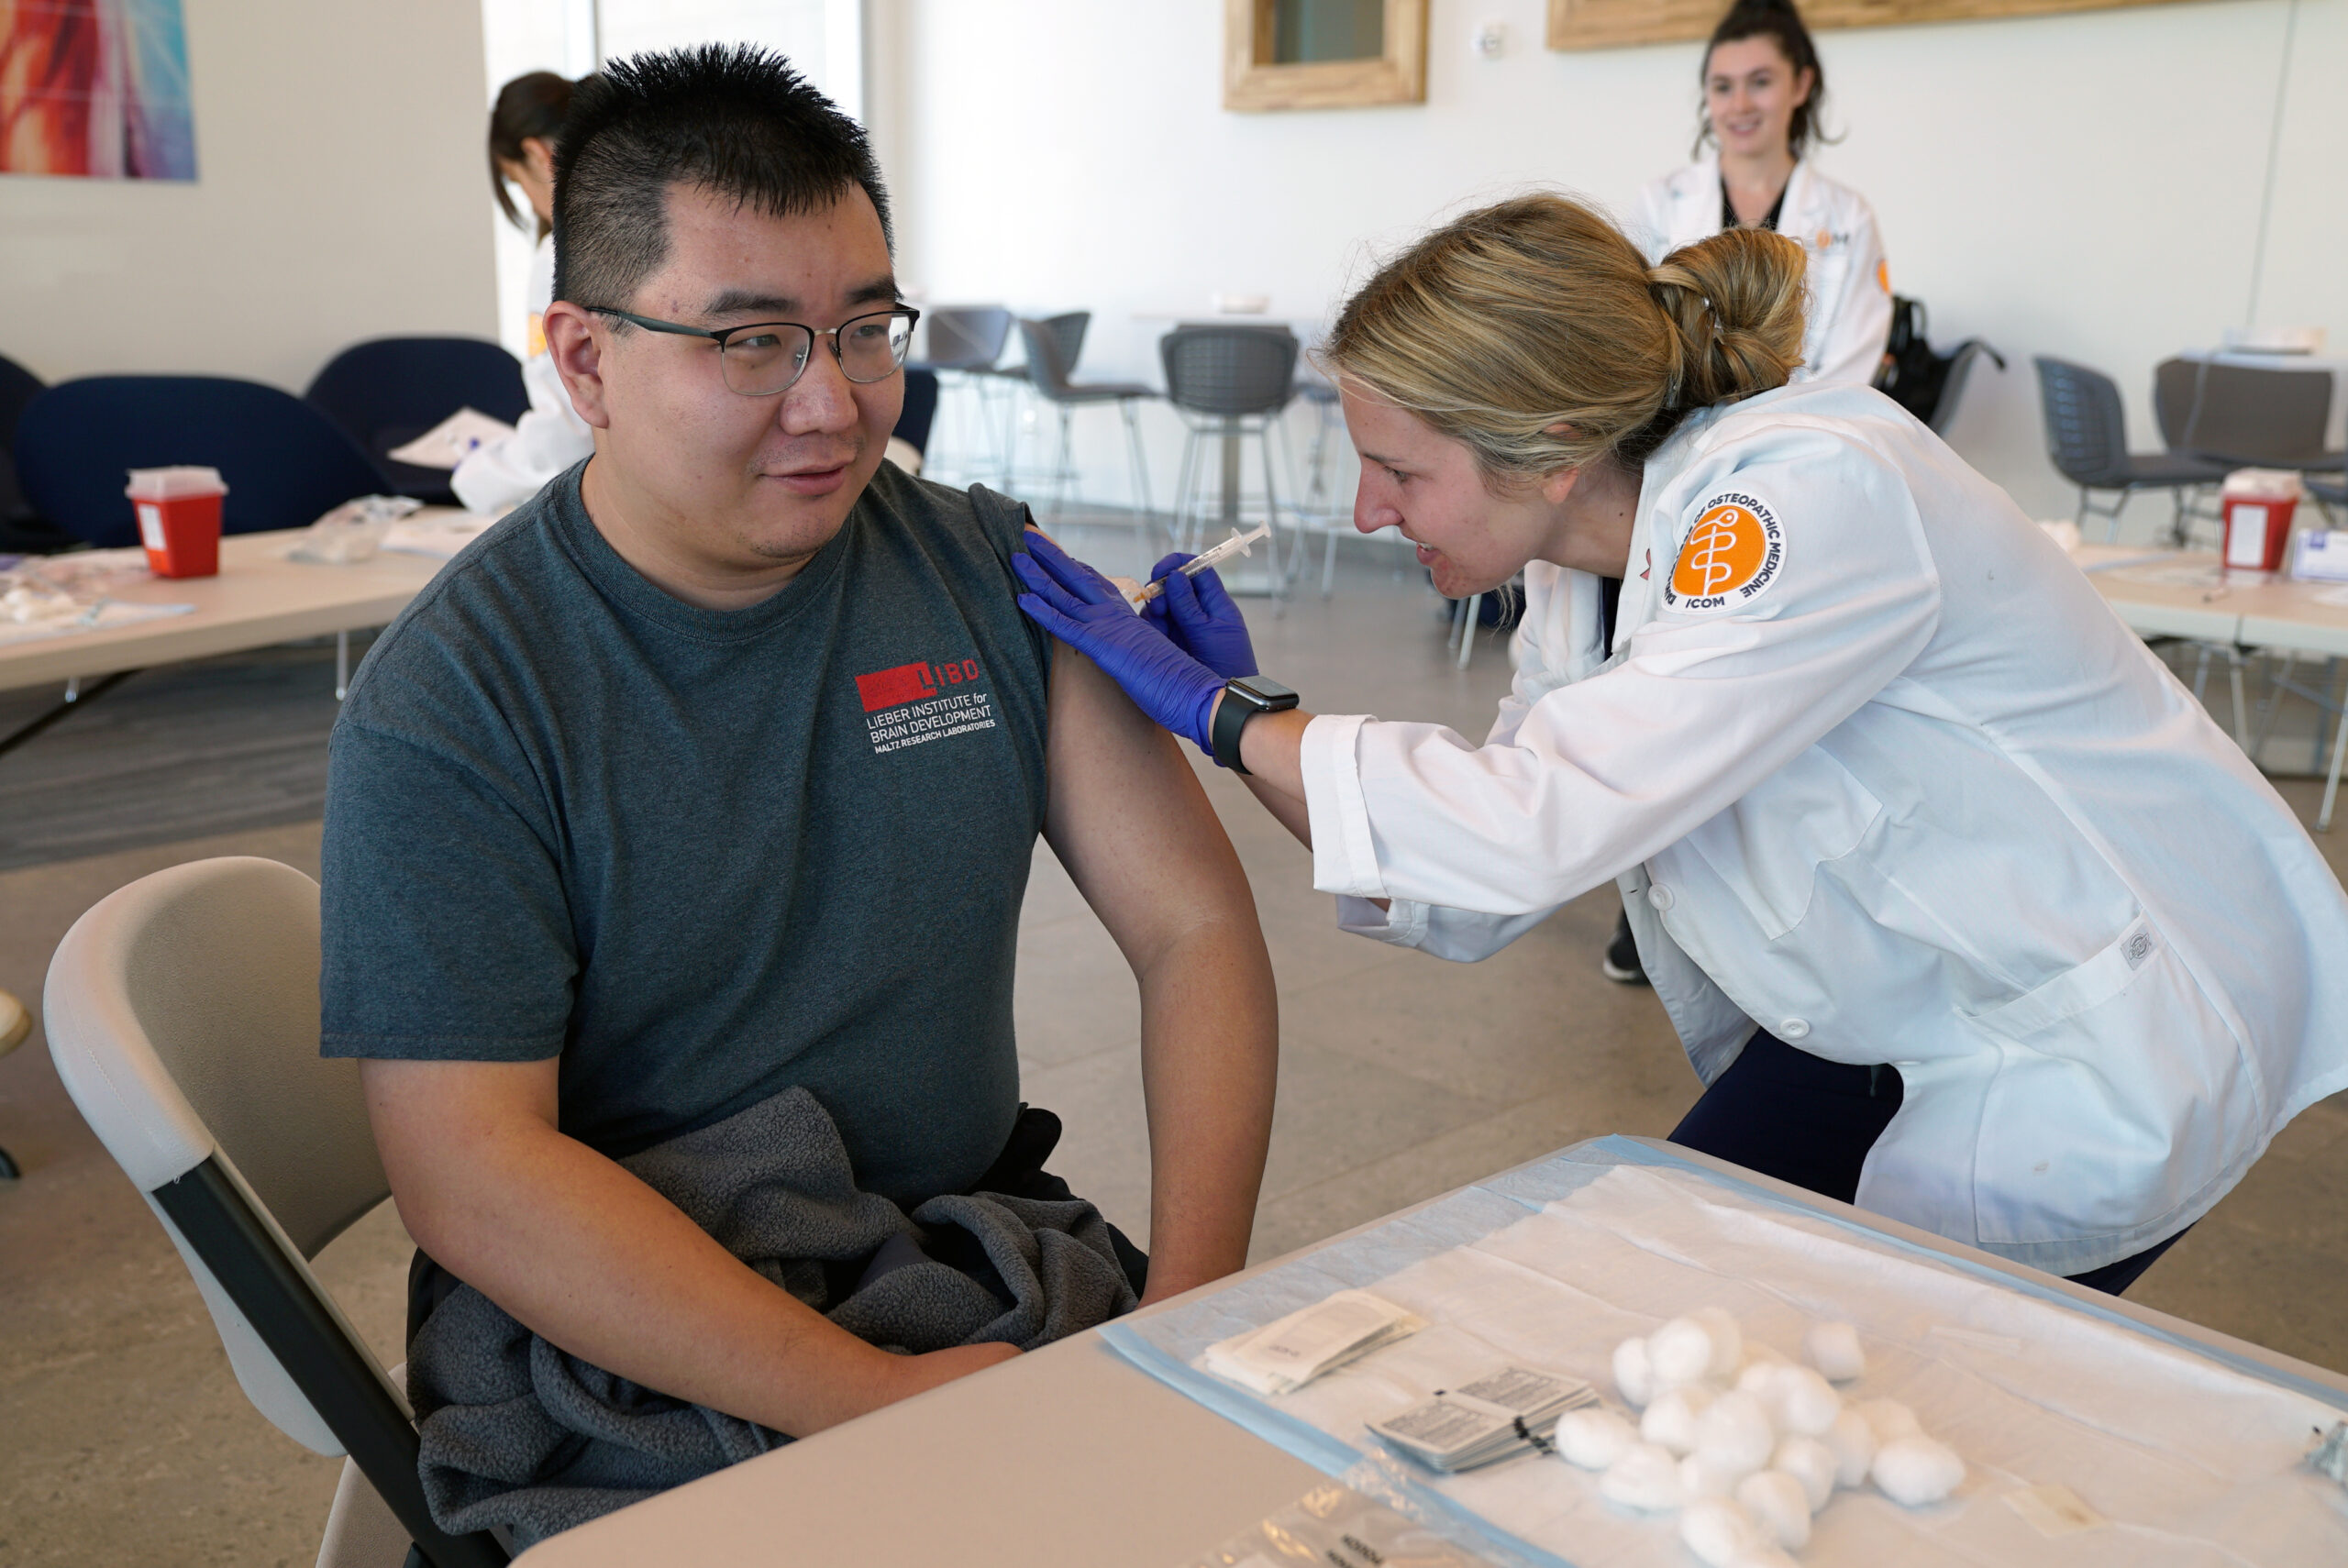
[
  {"x": 1069, "y": 1457},
  {"x": 2239, "y": 610}
]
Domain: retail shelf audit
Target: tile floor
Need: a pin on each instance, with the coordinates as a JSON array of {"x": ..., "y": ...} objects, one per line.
[{"x": 126, "y": 1441}]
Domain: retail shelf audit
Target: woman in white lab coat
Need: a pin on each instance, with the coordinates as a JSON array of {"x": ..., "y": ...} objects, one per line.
[
  {"x": 524, "y": 125},
  {"x": 1763, "y": 90},
  {"x": 1962, "y": 907}
]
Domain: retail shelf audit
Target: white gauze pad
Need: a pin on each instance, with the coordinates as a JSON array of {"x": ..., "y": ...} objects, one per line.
[
  {"x": 1834, "y": 1348},
  {"x": 1633, "y": 1373},
  {"x": 1645, "y": 1478},
  {"x": 1812, "y": 1463},
  {"x": 1718, "y": 1531},
  {"x": 1738, "y": 1428},
  {"x": 1852, "y": 1443},
  {"x": 1779, "y": 1503},
  {"x": 1593, "y": 1438},
  {"x": 1913, "y": 1471},
  {"x": 1670, "y": 1421}
]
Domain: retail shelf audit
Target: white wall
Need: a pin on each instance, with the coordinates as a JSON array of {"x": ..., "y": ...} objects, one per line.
[
  {"x": 2087, "y": 186},
  {"x": 340, "y": 183}
]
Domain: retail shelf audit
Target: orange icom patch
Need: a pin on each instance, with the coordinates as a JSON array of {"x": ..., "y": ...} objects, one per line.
[{"x": 1734, "y": 551}]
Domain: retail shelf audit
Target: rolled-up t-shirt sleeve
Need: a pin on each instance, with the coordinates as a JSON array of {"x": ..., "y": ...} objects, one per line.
[{"x": 447, "y": 936}]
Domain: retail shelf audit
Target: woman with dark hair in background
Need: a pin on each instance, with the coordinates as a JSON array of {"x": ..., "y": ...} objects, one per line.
[
  {"x": 1764, "y": 92},
  {"x": 524, "y": 125}
]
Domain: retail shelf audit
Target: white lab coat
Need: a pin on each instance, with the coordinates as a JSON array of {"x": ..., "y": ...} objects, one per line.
[
  {"x": 1849, "y": 285},
  {"x": 549, "y": 437},
  {"x": 1923, "y": 799}
]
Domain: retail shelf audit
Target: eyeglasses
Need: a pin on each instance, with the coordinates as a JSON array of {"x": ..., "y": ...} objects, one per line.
[{"x": 766, "y": 356}]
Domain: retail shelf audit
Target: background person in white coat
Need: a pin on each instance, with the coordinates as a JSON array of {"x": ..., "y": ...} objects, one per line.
[
  {"x": 1764, "y": 90},
  {"x": 1961, "y": 905},
  {"x": 524, "y": 125},
  {"x": 1763, "y": 93}
]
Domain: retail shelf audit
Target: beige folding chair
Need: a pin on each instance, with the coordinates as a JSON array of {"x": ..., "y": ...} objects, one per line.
[{"x": 183, "y": 1012}]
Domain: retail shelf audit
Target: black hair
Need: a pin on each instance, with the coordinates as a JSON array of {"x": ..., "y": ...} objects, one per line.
[
  {"x": 1779, "y": 21},
  {"x": 733, "y": 119},
  {"x": 529, "y": 105}
]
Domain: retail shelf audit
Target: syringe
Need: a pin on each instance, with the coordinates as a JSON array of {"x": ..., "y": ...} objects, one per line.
[{"x": 1212, "y": 557}]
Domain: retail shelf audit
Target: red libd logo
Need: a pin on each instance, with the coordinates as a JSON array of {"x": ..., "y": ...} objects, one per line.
[{"x": 913, "y": 682}]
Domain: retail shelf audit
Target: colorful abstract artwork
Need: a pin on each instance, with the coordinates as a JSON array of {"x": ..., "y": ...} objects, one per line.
[{"x": 97, "y": 88}]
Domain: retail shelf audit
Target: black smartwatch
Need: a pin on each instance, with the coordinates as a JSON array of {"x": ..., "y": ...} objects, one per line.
[{"x": 1241, "y": 700}]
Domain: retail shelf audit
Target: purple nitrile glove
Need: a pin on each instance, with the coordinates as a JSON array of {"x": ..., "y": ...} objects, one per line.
[
  {"x": 1198, "y": 615},
  {"x": 1084, "y": 609}
]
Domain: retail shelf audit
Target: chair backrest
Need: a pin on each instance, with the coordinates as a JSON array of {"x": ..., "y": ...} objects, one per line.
[
  {"x": 1229, "y": 372},
  {"x": 183, "y": 1015},
  {"x": 2243, "y": 415},
  {"x": 920, "y": 410},
  {"x": 965, "y": 337},
  {"x": 386, "y": 393},
  {"x": 2087, "y": 428},
  {"x": 1951, "y": 391},
  {"x": 18, "y": 387},
  {"x": 285, "y": 463},
  {"x": 1053, "y": 345}
]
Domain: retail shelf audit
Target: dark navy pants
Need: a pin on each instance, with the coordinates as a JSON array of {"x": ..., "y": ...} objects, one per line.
[{"x": 1808, "y": 1120}]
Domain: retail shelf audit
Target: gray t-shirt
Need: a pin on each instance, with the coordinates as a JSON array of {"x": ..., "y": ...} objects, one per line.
[{"x": 703, "y": 855}]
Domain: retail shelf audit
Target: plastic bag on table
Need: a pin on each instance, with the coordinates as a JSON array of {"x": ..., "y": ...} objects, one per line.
[
  {"x": 353, "y": 531},
  {"x": 1336, "y": 1525}
]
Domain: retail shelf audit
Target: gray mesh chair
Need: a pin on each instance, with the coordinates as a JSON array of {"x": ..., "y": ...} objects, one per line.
[
  {"x": 1960, "y": 369},
  {"x": 2244, "y": 416},
  {"x": 1052, "y": 346},
  {"x": 2087, "y": 437},
  {"x": 962, "y": 344},
  {"x": 1229, "y": 383}
]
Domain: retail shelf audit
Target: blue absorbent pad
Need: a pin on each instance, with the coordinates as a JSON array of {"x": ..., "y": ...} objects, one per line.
[{"x": 1551, "y": 1265}]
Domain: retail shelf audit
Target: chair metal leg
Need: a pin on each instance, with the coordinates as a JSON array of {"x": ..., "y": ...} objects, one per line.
[
  {"x": 1467, "y": 620},
  {"x": 2331, "y": 779},
  {"x": 2277, "y": 688},
  {"x": 341, "y": 665},
  {"x": 1329, "y": 565},
  {"x": 1282, "y": 581},
  {"x": 1141, "y": 473},
  {"x": 2234, "y": 662},
  {"x": 1061, "y": 469}
]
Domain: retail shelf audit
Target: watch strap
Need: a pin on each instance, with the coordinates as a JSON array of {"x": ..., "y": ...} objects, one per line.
[{"x": 1232, "y": 712}]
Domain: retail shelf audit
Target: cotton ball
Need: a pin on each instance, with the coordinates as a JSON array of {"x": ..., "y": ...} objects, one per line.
[
  {"x": 1805, "y": 1402},
  {"x": 1680, "y": 1351},
  {"x": 1758, "y": 1354},
  {"x": 1709, "y": 1472},
  {"x": 1780, "y": 1504},
  {"x": 1593, "y": 1438},
  {"x": 1913, "y": 1471},
  {"x": 1763, "y": 1557},
  {"x": 1670, "y": 1421},
  {"x": 1765, "y": 1381},
  {"x": 1645, "y": 1478},
  {"x": 1852, "y": 1443},
  {"x": 1728, "y": 1340},
  {"x": 1737, "y": 1427},
  {"x": 1718, "y": 1531},
  {"x": 1890, "y": 1419},
  {"x": 1634, "y": 1373},
  {"x": 1834, "y": 1348},
  {"x": 1812, "y": 1463}
]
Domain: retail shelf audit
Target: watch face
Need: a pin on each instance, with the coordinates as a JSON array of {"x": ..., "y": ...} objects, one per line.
[{"x": 1269, "y": 690}]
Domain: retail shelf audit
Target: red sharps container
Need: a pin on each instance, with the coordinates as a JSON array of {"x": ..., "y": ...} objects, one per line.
[
  {"x": 2258, "y": 504},
  {"x": 179, "y": 519}
]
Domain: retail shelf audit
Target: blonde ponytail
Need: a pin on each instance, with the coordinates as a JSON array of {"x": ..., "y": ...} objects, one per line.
[
  {"x": 1734, "y": 300},
  {"x": 1535, "y": 332}
]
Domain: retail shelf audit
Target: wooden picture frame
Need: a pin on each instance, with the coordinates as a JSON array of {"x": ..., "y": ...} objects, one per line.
[
  {"x": 1252, "y": 81},
  {"x": 1619, "y": 24}
]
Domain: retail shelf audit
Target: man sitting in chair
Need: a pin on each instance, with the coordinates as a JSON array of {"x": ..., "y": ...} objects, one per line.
[{"x": 675, "y": 843}]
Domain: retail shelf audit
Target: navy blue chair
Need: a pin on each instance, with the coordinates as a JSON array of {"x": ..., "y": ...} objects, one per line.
[
  {"x": 285, "y": 463},
  {"x": 388, "y": 391},
  {"x": 920, "y": 411},
  {"x": 21, "y": 530}
]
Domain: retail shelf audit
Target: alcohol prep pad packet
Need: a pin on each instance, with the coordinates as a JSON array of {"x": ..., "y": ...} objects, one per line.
[
  {"x": 1336, "y": 1527},
  {"x": 1297, "y": 1349}
]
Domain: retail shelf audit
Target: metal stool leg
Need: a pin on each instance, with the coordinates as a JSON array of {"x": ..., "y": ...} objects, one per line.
[{"x": 2331, "y": 779}]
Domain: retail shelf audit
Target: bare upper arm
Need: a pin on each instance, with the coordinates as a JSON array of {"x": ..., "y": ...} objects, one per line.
[
  {"x": 431, "y": 1119},
  {"x": 1129, "y": 819}
]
